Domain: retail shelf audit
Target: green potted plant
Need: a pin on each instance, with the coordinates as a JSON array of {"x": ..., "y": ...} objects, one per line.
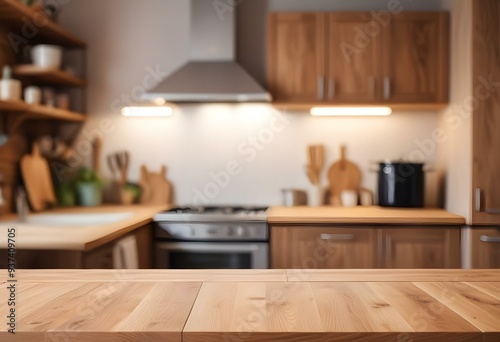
[{"x": 89, "y": 188}]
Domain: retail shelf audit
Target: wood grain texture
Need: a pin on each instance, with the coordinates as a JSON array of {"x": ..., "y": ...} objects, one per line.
[
  {"x": 362, "y": 215},
  {"x": 484, "y": 254},
  {"x": 485, "y": 122},
  {"x": 320, "y": 312},
  {"x": 419, "y": 309},
  {"x": 296, "y": 56},
  {"x": 104, "y": 311},
  {"x": 322, "y": 247},
  {"x": 477, "y": 307},
  {"x": 418, "y": 248},
  {"x": 375, "y": 275},
  {"x": 122, "y": 310},
  {"x": 352, "y": 71},
  {"x": 417, "y": 68},
  {"x": 144, "y": 276}
]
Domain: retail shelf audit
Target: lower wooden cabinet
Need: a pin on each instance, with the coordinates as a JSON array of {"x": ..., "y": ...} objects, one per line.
[
  {"x": 418, "y": 248},
  {"x": 100, "y": 257},
  {"x": 322, "y": 247},
  {"x": 483, "y": 247},
  {"x": 364, "y": 247}
]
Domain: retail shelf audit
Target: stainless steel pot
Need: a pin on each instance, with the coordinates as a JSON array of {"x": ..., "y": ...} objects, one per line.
[{"x": 293, "y": 197}]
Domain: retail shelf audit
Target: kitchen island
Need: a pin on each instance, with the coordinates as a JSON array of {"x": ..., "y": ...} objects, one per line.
[{"x": 261, "y": 305}]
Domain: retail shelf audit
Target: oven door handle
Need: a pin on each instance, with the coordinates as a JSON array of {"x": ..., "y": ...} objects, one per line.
[{"x": 208, "y": 247}]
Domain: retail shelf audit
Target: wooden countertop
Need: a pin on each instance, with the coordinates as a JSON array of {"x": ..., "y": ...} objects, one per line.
[
  {"x": 387, "y": 305},
  {"x": 362, "y": 215},
  {"x": 41, "y": 237}
]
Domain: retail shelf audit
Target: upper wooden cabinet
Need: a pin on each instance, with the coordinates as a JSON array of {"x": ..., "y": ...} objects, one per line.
[
  {"x": 296, "y": 40},
  {"x": 485, "y": 103},
  {"x": 415, "y": 58},
  {"x": 353, "y": 70},
  {"x": 355, "y": 58},
  {"x": 419, "y": 248}
]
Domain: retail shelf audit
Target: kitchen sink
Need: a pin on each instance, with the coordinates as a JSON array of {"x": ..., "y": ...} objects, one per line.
[{"x": 76, "y": 219}]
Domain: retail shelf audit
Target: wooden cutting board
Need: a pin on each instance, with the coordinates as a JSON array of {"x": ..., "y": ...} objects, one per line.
[
  {"x": 342, "y": 175},
  {"x": 37, "y": 180},
  {"x": 156, "y": 189}
]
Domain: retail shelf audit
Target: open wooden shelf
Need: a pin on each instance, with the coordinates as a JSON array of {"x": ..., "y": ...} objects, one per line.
[
  {"x": 47, "y": 76},
  {"x": 13, "y": 106},
  {"x": 41, "y": 112},
  {"x": 14, "y": 14}
]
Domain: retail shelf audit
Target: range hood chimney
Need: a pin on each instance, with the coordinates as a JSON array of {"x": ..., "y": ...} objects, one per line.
[{"x": 212, "y": 74}]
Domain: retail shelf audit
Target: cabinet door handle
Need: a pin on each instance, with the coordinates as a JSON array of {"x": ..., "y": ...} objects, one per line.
[
  {"x": 490, "y": 239},
  {"x": 387, "y": 88},
  {"x": 371, "y": 85},
  {"x": 388, "y": 249},
  {"x": 321, "y": 88},
  {"x": 337, "y": 237},
  {"x": 477, "y": 199},
  {"x": 331, "y": 88}
]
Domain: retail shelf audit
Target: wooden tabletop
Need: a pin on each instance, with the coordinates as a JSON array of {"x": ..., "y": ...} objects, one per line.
[
  {"x": 373, "y": 215},
  {"x": 341, "y": 305}
]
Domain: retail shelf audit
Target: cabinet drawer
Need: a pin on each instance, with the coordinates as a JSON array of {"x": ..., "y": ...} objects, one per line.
[
  {"x": 485, "y": 248},
  {"x": 322, "y": 247},
  {"x": 419, "y": 247}
]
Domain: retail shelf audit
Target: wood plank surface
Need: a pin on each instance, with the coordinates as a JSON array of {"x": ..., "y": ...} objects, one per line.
[
  {"x": 126, "y": 309},
  {"x": 145, "y": 276},
  {"x": 477, "y": 307},
  {"x": 322, "y": 312},
  {"x": 407, "y": 275},
  {"x": 102, "y": 311},
  {"x": 362, "y": 215}
]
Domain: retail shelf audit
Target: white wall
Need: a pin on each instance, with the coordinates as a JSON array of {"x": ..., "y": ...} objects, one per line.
[
  {"x": 456, "y": 151},
  {"x": 126, "y": 36}
]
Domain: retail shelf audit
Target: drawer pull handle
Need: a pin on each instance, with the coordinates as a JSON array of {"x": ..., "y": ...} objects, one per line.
[
  {"x": 490, "y": 239},
  {"x": 338, "y": 237},
  {"x": 494, "y": 211},
  {"x": 331, "y": 89},
  {"x": 321, "y": 88},
  {"x": 387, "y": 88}
]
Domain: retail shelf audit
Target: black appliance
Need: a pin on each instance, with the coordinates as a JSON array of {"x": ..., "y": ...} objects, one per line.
[{"x": 401, "y": 184}]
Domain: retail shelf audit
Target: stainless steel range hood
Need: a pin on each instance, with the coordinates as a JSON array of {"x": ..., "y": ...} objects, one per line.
[{"x": 211, "y": 75}]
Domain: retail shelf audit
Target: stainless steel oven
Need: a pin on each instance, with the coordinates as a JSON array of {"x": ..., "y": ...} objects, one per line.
[{"x": 212, "y": 238}]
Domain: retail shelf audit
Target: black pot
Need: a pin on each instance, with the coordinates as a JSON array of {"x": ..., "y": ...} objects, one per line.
[{"x": 401, "y": 185}]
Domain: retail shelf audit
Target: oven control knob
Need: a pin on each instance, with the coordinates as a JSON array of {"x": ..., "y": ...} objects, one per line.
[
  {"x": 230, "y": 231},
  {"x": 192, "y": 231},
  {"x": 240, "y": 231}
]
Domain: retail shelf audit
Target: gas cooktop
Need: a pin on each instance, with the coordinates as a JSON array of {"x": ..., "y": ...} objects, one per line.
[{"x": 213, "y": 214}]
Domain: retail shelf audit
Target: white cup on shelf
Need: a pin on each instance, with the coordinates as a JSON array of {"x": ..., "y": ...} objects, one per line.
[
  {"x": 47, "y": 56},
  {"x": 33, "y": 95},
  {"x": 349, "y": 198}
]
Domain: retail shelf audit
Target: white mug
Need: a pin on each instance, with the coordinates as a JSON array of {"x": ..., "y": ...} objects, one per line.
[
  {"x": 47, "y": 56},
  {"x": 349, "y": 198},
  {"x": 33, "y": 95}
]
